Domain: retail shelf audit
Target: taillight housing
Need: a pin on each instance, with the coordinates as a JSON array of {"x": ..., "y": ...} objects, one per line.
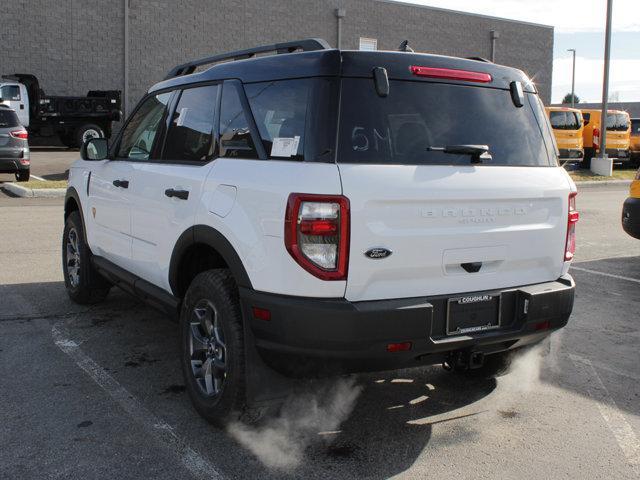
[
  {"x": 572, "y": 218},
  {"x": 316, "y": 234},
  {"x": 22, "y": 134},
  {"x": 596, "y": 138}
]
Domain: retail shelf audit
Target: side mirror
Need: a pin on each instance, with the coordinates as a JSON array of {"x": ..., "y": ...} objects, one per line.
[{"x": 95, "y": 149}]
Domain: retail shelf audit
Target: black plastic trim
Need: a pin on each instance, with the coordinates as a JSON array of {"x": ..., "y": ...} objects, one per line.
[{"x": 631, "y": 217}]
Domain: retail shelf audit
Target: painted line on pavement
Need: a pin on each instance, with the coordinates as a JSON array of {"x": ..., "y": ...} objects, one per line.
[
  {"x": 596, "y": 272},
  {"x": 37, "y": 178},
  {"x": 199, "y": 467},
  {"x": 615, "y": 420}
]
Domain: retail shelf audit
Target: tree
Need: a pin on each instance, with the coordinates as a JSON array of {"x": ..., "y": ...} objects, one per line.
[{"x": 567, "y": 99}]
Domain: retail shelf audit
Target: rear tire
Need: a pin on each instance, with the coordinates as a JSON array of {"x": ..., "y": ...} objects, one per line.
[
  {"x": 23, "y": 176},
  {"x": 84, "y": 284},
  {"x": 88, "y": 131},
  {"x": 212, "y": 347}
]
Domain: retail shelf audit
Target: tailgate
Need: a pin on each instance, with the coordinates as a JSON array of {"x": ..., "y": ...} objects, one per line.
[{"x": 441, "y": 222}]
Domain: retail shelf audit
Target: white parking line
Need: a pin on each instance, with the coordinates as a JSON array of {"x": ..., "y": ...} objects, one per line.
[
  {"x": 199, "y": 467},
  {"x": 37, "y": 178},
  {"x": 622, "y": 431},
  {"x": 619, "y": 277}
]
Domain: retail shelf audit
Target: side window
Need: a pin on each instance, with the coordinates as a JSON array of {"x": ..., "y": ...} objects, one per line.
[
  {"x": 140, "y": 133},
  {"x": 280, "y": 110},
  {"x": 10, "y": 92},
  {"x": 235, "y": 134},
  {"x": 190, "y": 135},
  {"x": 586, "y": 117}
]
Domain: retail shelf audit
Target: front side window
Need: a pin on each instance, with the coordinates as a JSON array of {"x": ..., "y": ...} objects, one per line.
[
  {"x": 190, "y": 135},
  {"x": 138, "y": 137},
  {"x": 635, "y": 127},
  {"x": 10, "y": 92},
  {"x": 235, "y": 133}
]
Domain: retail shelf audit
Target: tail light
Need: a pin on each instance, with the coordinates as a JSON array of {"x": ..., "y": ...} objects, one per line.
[
  {"x": 572, "y": 219},
  {"x": 316, "y": 234},
  {"x": 22, "y": 134},
  {"x": 450, "y": 74},
  {"x": 596, "y": 138}
]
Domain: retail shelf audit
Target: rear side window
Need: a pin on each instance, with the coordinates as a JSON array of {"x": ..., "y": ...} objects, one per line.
[
  {"x": 280, "y": 111},
  {"x": 235, "y": 133},
  {"x": 10, "y": 92},
  {"x": 190, "y": 136},
  {"x": 564, "y": 120},
  {"x": 399, "y": 128},
  {"x": 586, "y": 117},
  {"x": 8, "y": 118}
]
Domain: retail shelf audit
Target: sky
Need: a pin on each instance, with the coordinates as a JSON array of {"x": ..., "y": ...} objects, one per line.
[{"x": 577, "y": 24}]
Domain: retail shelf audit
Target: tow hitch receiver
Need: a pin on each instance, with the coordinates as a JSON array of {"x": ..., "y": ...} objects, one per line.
[{"x": 463, "y": 360}]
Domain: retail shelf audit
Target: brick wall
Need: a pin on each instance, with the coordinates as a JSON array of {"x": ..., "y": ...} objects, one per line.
[{"x": 78, "y": 45}]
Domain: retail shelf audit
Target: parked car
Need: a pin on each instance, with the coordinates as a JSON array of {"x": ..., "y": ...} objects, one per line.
[
  {"x": 72, "y": 119},
  {"x": 634, "y": 142},
  {"x": 567, "y": 127},
  {"x": 14, "y": 146},
  {"x": 318, "y": 210},
  {"x": 618, "y": 134},
  {"x": 631, "y": 209}
]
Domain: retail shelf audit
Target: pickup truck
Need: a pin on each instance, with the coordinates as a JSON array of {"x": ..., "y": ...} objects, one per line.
[{"x": 72, "y": 119}]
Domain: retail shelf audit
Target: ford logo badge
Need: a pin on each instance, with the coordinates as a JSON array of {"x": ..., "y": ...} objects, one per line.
[{"x": 378, "y": 252}]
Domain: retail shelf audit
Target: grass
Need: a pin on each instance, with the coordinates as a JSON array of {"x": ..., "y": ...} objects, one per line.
[
  {"x": 587, "y": 175},
  {"x": 35, "y": 184}
]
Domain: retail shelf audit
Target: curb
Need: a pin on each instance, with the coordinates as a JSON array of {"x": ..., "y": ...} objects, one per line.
[
  {"x": 38, "y": 192},
  {"x": 597, "y": 183}
]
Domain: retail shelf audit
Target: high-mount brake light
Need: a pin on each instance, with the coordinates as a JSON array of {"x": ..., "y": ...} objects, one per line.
[
  {"x": 451, "y": 74},
  {"x": 316, "y": 234},
  {"x": 22, "y": 134},
  {"x": 572, "y": 218}
]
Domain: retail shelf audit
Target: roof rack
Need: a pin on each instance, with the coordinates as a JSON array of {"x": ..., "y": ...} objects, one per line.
[{"x": 306, "y": 45}]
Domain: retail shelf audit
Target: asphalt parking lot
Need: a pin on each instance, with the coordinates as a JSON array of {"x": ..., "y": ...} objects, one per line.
[{"x": 97, "y": 392}]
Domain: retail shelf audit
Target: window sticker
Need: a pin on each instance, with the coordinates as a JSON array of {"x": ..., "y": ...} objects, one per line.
[
  {"x": 285, "y": 146},
  {"x": 182, "y": 117}
]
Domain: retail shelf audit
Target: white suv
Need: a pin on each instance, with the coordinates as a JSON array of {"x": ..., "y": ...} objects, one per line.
[{"x": 318, "y": 210}]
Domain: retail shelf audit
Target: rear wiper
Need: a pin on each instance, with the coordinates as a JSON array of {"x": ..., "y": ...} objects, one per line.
[{"x": 478, "y": 153}]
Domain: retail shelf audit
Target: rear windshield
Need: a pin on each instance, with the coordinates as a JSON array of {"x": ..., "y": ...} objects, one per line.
[
  {"x": 617, "y": 122},
  {"x": 564, "y": 120},
  {"x": 635, "y": 127},
  {"x": 399, "y": 128},
  {"x": 8, "y": 118}
]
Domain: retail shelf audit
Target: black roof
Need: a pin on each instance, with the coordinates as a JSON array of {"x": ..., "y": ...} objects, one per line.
[{"x": 347, "y": 63}]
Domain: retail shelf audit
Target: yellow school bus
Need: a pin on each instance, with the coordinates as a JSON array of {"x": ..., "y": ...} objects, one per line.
[{"x": 618, "y": 134}]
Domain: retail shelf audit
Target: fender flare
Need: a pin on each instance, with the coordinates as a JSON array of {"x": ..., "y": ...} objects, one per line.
[
  {"x": 73, "y": 194},
  {"x": 206, "y": 235}
]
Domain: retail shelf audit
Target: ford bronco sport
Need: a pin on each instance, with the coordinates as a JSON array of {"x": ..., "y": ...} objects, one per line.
[{"x": 318, "y": 210}]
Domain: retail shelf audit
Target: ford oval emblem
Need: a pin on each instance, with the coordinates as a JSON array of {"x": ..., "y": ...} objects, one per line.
[{"x": 378, "y": 252}]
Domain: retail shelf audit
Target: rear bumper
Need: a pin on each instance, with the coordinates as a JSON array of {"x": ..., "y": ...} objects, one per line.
[
  {"x": 338, "y": 335},
  {"x": 619, "y": 153},
  {"x": 631, "y": 217},
  {"x": 12, "y": 165},
  {"x": 576, "y": 154}
]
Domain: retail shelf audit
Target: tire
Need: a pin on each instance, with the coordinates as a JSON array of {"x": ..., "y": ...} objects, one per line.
[
  {"x": 87, "y": 131},
  {"x": 211, "y": 334},
  {"x": 23, "y": 176},
  {"x": 84, "y": 284}
]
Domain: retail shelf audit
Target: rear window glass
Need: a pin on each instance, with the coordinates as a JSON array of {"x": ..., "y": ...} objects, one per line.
[
  {"x": 617, "y": 122},
  {"x": 564, "y": 120},
  {"x": 399, "y": 128},
  {"x": 8, "y": 118},
  {"x": 635, "y": 127}
]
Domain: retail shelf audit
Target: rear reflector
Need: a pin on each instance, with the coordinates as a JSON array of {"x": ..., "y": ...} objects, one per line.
[
  {"x": 399, "y": 347},
  {"x": 24, "y": 161},
  {"x": 451, "y": 74},
  {"x": 261, "y": 314},
  {"x": 546, "y": 325}
]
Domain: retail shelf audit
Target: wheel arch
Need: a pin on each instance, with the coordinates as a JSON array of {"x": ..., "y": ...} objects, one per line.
[
  {"x": 72, "y": 204},
  {"x": 191, "y": 245}
]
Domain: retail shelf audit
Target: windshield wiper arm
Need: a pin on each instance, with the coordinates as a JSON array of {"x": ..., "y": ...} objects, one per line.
[{"x": 478, "y": 153}]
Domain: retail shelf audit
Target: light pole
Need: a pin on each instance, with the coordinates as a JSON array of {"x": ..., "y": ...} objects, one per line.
[
  {"x": 573, "y": 78},
  {"x": 605, "y": 82}
]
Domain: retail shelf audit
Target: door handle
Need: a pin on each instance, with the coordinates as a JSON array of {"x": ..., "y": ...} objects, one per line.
[
  {"x": 121, "y": 183},
  {"x": 181, "y": 194}
]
